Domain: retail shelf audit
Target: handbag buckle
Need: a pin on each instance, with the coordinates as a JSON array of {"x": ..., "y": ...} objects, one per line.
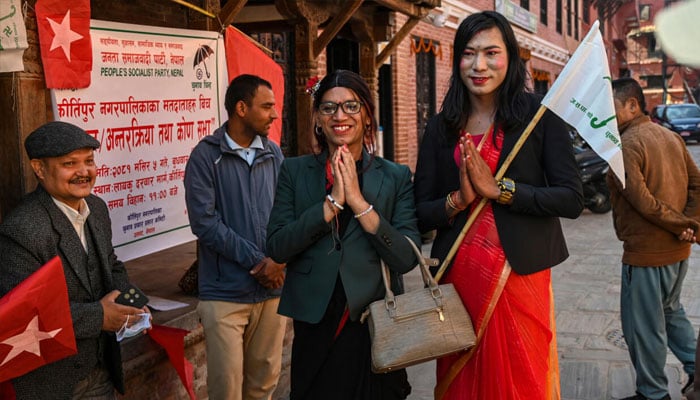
[{"x": 390, "y": 305}]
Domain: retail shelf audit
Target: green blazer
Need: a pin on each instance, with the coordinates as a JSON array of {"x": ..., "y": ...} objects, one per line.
[{"x": 298, "y": 235}]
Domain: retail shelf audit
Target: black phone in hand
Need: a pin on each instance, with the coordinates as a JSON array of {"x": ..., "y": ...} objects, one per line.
[{"x": 133, "y": 297}]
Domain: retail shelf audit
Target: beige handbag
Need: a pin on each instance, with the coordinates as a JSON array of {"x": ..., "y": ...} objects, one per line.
[{"x": 417, "y": 326}]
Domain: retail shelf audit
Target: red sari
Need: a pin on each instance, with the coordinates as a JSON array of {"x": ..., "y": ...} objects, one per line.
[{"x": 515, "y": 356}]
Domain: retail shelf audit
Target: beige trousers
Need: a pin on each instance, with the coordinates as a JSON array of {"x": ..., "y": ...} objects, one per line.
[{"x": 244, "y": 348}]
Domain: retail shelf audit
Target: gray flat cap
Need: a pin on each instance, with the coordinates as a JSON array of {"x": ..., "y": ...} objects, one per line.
[{"x": 56, "y": 138}]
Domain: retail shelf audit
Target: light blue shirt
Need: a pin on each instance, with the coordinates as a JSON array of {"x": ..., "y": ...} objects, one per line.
[{"x": 246, "y": 153}]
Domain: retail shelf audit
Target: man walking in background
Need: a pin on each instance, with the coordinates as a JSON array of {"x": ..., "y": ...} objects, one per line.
[
  {"x": 656, "y": 217},
  {"x": 230, "y": 182}
]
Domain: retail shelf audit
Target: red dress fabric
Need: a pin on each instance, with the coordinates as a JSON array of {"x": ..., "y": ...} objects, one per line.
[{"x": 516, "y": 357}]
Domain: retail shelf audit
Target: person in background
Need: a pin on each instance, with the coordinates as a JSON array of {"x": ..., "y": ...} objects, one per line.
[
  {"x": 61, "y": 217},
  {"x": 501, "y": 269},
  {"x": 656, "y": 217},
  {"x": 230, "y": 181},
  {"x": 336, "y": 214}
]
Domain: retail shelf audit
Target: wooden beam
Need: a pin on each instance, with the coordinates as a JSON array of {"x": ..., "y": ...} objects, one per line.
[
  {"x": 230, "y": 10},
  {"x": 402, "y": 6},
  {"x": 396, "y": 40},
  {"x": 332, "y": 29}
]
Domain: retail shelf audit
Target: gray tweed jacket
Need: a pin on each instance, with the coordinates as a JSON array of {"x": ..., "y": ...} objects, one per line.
[{"x": 32, "y": 234}]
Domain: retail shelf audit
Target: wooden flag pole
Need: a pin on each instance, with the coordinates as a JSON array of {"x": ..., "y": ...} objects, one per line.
[{"x": 482, "y": 203}]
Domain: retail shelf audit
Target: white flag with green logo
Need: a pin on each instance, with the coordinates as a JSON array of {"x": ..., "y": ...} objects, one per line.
[{"x": 582, "y": 96}]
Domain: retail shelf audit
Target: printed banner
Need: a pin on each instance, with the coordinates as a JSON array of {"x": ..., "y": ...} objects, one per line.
[
  {"x": 155, "y": 93},
  {"x": 13, "y": 40}
]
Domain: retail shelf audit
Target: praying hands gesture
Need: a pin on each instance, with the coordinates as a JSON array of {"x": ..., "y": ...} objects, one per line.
[
  {"x": 480, "y": 176},
  {"x": 346, "y": 191}
]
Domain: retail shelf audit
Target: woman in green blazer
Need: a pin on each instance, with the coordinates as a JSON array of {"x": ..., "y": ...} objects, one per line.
[{"x": 336, "y": 214}]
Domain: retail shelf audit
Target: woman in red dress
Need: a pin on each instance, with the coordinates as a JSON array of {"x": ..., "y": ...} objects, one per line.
[{"x": 501, "y": 269}]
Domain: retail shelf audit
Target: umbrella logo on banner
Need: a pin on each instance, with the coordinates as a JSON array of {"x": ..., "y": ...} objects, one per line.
[{"x": 200, "y": 57}]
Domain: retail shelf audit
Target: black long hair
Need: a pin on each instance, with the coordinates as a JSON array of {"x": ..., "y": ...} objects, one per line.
[
  {"x": 353, "y": 81},
  {"x": 511, "y": 107}
]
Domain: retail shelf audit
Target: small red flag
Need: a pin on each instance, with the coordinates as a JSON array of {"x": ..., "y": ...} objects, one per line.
[
  {"x": 37, "y": 328},
  {"x": 64, "y": 38},
  {"x": 173, "y": 341},
  {"x": 244, "y": 57}
]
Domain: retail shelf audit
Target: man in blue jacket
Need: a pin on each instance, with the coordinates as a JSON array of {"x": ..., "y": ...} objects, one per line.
[{"x": 230, "y": 182}]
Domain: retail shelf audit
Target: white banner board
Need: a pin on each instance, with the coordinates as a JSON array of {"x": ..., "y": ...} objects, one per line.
[{"x": 155, "y": 92}]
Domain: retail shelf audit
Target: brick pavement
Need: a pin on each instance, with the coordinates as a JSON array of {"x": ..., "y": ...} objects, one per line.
[{"x": 594, "y": 363}]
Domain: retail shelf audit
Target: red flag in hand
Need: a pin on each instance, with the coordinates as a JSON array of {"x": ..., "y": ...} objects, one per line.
[
  {"x": 37, "y": 328},
  {"x": 64, "y": 38}
]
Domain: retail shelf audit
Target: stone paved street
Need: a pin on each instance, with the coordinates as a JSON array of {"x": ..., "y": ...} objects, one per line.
[{"x": 594, "y": 363}]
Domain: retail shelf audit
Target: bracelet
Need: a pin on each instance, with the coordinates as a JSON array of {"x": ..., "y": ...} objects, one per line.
[
  {"x": 334, "y": 210},
  {"x": 335, "y": 203},
  {"x": 451, "y": 203},
  {"x": 367, "y": 211}
]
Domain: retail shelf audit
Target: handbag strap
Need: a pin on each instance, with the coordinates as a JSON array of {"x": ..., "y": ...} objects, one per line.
[{"x": 423, "y": 265}]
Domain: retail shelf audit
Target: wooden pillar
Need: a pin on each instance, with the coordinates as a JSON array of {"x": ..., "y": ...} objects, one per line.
[
  {"x": 306, "y": 67},
  {"x": 363, "y": 28},
  {"x": 305, "y": 17},
  {"x": 25, "y": 106}
]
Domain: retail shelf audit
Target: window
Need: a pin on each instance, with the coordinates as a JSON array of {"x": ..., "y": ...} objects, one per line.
[
  {"x": 541, "y": 81},
  {"x": 558, "y": 15},
  {"x": 644, "y": 12},
  {"x": 653, "y": 48},
  {"x": 543, "y": 12},
  {"x": 576, "y": 19},
  {"x": 568, "y": 17},
  {"x": 525, "y": 4},
  {"x": 654, "y": 81},
  {"x": 587, "y": 11},
  {"x": 425, "y": 82}
]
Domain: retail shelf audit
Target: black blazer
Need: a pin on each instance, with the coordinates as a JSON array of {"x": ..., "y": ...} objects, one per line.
[
  {"x": 548, "y": 186},
  {"x": 32, "y": 234}
]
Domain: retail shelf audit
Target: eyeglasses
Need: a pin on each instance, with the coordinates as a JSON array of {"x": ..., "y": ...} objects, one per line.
[{"x": 349, "y": 107}]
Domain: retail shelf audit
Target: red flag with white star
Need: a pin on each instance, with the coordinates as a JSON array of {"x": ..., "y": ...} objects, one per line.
[
  {"x": 36, "y": 328},
  {"x": 64, "y": 38}
]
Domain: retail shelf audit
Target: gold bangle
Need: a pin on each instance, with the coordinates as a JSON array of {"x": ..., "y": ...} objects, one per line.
[
  {"x": 451, "y": 203},
  {"x": 367, "y": 211}
]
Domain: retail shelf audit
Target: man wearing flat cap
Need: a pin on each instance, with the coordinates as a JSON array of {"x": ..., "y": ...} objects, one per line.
[{"x": 61, "y": 217}]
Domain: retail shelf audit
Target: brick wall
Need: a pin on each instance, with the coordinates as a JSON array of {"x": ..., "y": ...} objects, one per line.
[{"x": 403, "y": 67}]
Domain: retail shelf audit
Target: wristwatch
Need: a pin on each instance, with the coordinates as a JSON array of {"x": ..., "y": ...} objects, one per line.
[{"x": 507, "y": 187}]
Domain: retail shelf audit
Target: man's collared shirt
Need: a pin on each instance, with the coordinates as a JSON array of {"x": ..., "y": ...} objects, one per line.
[
  {"x": 76, "y": 218},
  {"x": 246, "y": 153}
]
